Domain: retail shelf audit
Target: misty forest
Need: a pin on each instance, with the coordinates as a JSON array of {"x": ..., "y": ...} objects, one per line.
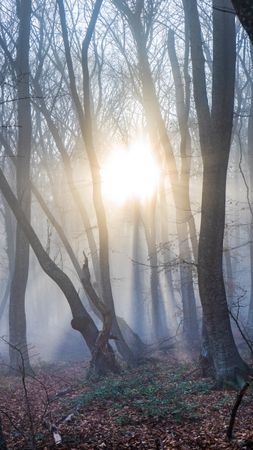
[{"x": 126, "y": 222}]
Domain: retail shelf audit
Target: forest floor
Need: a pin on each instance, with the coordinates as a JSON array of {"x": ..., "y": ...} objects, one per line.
[{"x": 163, "y": 405}]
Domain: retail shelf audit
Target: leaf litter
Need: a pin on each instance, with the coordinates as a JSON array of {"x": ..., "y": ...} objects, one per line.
[{"x": 165, "y": 405}]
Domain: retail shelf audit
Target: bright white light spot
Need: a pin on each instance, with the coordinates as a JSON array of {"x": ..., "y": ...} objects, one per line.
[{"x": 130, "y": 173}]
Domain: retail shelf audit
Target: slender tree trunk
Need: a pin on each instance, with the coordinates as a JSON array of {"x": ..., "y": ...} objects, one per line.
[
  {"x": 228, "y": 272},
  {"x": 17, "y": 316},
  {"x": 185, "y": 220},
  {"x": 250, "y": 163},
  {"x": 166, "y": 252},
  {"x": 138, "y": 309},
  {"x": 158, "y": 317},
  {"x": 250, "y": 311},
  {"x": 9, "y": 220},
  {"x": 183, "y": 209},
  {"x": 77, "y": 198},
  {"x": 158, "y": 134}
]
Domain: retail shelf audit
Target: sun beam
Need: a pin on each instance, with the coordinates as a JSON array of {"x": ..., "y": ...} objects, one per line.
[{"x": 130, "y": 173}]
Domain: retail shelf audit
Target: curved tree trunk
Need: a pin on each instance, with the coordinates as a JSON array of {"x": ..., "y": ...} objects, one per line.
[
  {"x": 95, "y": 303},
  {"x": 77, "y": 198},
  {"x": 103, "y": 359}
]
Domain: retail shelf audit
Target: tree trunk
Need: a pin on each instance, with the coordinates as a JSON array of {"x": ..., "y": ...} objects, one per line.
[
  {"x": 184, "y": 216},
  {"x": 77, "y": 198},
  {"x": 225, "y": 355},
  {"x": 138, "y": 310},
  {"x": 167, "y": 254},
  {"x": 250, "y": 163},
  {"x": 158, "y": 317},
  {"x": 158, "y": 134},
  {"x": 85, "y": 122},
  {"x": 17, "y": 316},
  {"x": 228, "y": 272},
  {"x": 9, "y": 222},
  {"x": 103, "y": 359},
  {"x": 215, "y": 135}
]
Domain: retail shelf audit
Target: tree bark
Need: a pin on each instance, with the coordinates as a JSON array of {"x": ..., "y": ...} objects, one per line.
[
  {"x": 250, "y": 163},
  {"x": 215, "y": 135},
  {"x": 17, "y": 316}
]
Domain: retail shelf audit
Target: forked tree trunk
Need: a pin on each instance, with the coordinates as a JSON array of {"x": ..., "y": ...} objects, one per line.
[
  {"x": 94, "y": 301},
  {"x": 215, "y": 136},
  {"x": 103, "y": 359},
  {"x": 85, "y": 121}
]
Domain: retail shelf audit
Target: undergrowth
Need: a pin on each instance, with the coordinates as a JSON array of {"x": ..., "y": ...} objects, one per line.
[{"x": 151, "y": 391}]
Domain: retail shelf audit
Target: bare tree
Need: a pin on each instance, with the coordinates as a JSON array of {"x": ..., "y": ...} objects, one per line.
[
  {"x": 103, "y": 357},
  {"x": 215, "y": 137},
  {"x": 159, "y": 136},
  {"x": 84, "y": 115}
]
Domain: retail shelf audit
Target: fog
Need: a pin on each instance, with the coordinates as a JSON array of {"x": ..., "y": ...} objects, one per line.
[{"x": 111, "y": 140}]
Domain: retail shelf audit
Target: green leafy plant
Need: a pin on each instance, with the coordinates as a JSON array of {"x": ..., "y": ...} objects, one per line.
[{"x": 149, "y": 392}]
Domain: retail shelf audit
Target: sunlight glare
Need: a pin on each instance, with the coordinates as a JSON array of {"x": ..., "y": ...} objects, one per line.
[{"x": 130, "y": 173}]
